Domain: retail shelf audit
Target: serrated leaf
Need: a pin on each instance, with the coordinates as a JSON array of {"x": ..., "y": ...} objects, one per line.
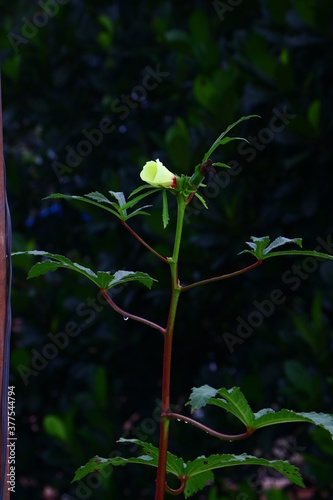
[
  {"x": 121, "y": 277},
  {"x": 102, "y": 279},
  {"x": 197, "y": 483},
  {"x": 220, "y": 164},
  {"x": 120, "y": 197},
  {"x": 221, "y": 136},
  {"x": 95, "y": 464},
  {"x": 138, "y": 189},
  {"x": 268, "y": 416},
  {"x": 261, "y": 249},
  {"x": 99, "y": 197},
  {"x": 282, "y": 241},
  {"x": 165, "y": 210},
  {"x": 175, "y": 465},
  {"x": 307, "y": 253},
  {"x": 202, "y": 464},
  {"x": 258, "y": 246},
  {"x": 229, "y": 139},
  {"x": 131, "y": 203},
  {"x": 85, "y": 200},
  {"x": 197, "y": 471},
  {"x": 138, "y": 211},
  {"x": 200, "y": 396},
  {"x": 53, "y": 262},
  {"x": 234, "y": 401},
  {"x": 203, "y": 201}
]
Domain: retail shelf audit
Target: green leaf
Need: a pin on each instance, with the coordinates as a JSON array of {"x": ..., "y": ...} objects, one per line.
[
  {"x": 261, "y": 249},
  {"x": 102, "y": 279},
  {"x": 202, "y": 464},
  {"x": 221, "y": 136},
  {"x": 107, "y": 280},
  {"x": 200, "y": 396},
  {"x": 219, "y": 164},
  {"x": 280, "y": 241},
  {"x": 86, "y": 200},
  {"x": 55, "y": 427},
  {"x": 268, "y": 416},
  {"x": 140, "y": 188},
  {"x": 203, "y": 201},
  {"x": 197, "y": 483},
  {"x": 165, "y": 211},
  {"x": 120, "y": 197},
  {"x": 139, "y": 211},
  {"x": 95, "y": 464},
  {"x": 133, "y": 202},
  {"x": 99, "y": 197},
  {"x": 197, "y": 471},
  {"x": 258, "y": 246},
  {"x": 309, "y": 253},
  {"x": 234, "y": 402},
  {"x": 175, "y": 465},
  {"x": 229, "y": 139},
  {"x": 53, "y": 262}
]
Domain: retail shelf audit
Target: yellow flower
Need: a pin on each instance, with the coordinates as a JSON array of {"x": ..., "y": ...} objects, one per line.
[{"x": 156, "y": 174}]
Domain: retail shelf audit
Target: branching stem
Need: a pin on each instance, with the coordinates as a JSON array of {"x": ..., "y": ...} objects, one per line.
[
  {"x": 208, "y": 430},
  {"x": 129, "y": 315},
  {"x": 222, "y": 277},
  {"x": 143, "y": 242}
]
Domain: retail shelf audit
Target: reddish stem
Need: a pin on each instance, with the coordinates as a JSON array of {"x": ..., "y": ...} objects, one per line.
[
  {"x": 129, "y": 315},
  {"x": 164, "y": 430},
  {"x": 178, "y": 491},
  {"x": 175, "y": 293},
  {"x": 143, "y": 242},
  {"x": 222, "y": 277},
  {"x": 219, "y": 435}
]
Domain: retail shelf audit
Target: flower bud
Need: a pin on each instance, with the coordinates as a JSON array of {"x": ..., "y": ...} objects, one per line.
[{"x": 156, "y": 174}]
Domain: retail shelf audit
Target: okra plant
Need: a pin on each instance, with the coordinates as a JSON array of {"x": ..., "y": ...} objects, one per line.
[{"x": 193, "y": 475}]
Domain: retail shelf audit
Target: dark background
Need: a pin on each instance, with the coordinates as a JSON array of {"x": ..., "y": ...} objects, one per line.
[{"x": 66, "y": 68}]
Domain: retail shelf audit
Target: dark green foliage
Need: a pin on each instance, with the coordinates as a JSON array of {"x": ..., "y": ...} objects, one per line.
[{"x": 210, "y": 65}]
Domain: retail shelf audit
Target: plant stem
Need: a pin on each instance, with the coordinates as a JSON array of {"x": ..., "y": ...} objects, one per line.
[
  {"x": 223, "y": 277},
  {"x": 219, "y": 435},
  {"x": 168, "y": 336},
  {"x": 129, "y": 315},
  {"x": 143, "y": 241}
]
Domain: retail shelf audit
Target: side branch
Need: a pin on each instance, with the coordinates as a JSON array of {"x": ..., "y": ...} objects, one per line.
[
  {"x": 223, "y": 277},
  {"x": 143, "y": 242},
  {"x": 131, "y": 316},
  {"x": 219, "y": 435},
  {"x": 179, "y": 490}
]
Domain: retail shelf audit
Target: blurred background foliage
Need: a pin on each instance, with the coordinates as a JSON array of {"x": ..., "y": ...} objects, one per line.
[{"x": 70, "y": 68}]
